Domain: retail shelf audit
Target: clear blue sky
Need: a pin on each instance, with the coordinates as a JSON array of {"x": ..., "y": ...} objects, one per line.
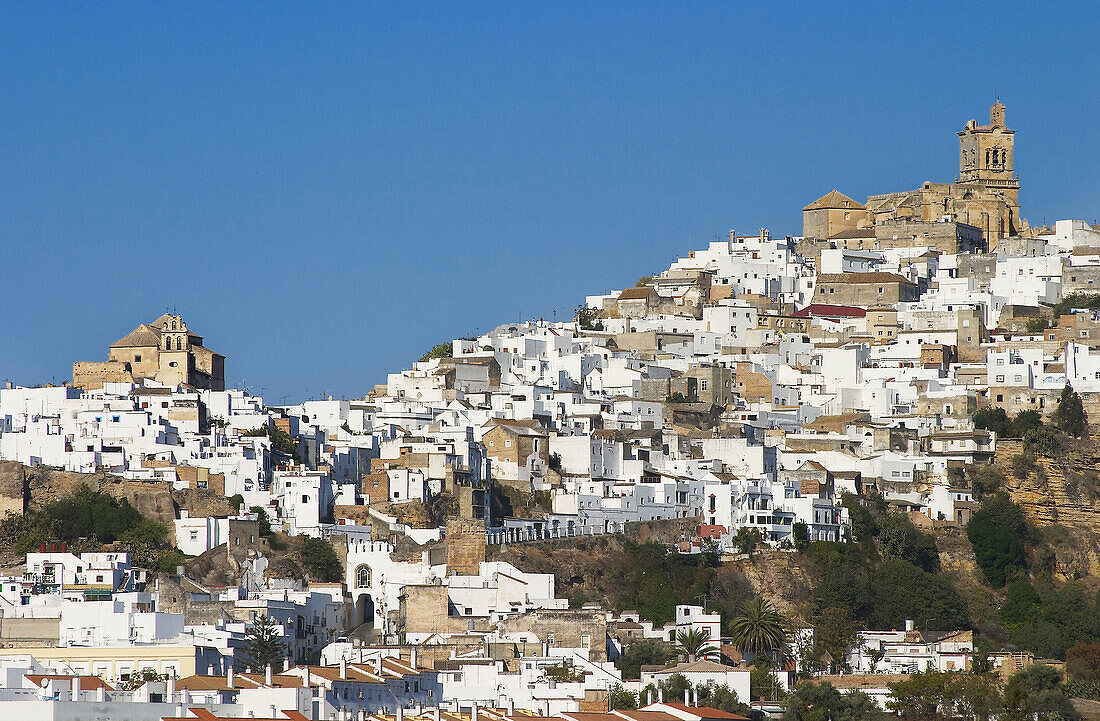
[{"x": 325, "y": 191}]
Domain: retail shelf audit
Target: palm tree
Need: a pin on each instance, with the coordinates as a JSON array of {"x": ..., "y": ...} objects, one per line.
[
  {"x": 695, "y": 644},
  {"x": 758, "y": 629}
]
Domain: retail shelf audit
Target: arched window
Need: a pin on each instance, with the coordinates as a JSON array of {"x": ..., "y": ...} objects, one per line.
[
  {"x": 362, "y": 576},
  {"x": 168, "y": 343},
  {"x": 179, "y": 343},
  {"x": 987, "y": 157}
]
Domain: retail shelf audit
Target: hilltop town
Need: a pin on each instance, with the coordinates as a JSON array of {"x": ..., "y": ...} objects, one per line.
[{"x": 847, "y": 456}]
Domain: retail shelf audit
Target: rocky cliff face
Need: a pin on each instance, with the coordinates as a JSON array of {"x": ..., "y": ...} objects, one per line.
[
  {"x": 22, "y": 487},
  {"x": 1061, "y": 496}
]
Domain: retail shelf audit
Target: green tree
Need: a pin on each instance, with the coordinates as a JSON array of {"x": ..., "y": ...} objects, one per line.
[
  {"x": 746, "y": 540},
  {"x": 88, "y": 515},
  {"x": 993, "y": 419},
  {"x": 643, "y": 652},
  {"x": 263, "y": 646},
  {"x": 822, "y": 702},
  {"x": 984, "y": 480},
  {"x": 1090, "y": 301},
  {"x": 588, "y": 318},
  {"x": 834, "y": 631},
  {"x": 674, "y": 687},
  {"x": 1037, "y": 324},
  {"x": 440, "y": 350},
  {"x": 1037, "y": 694},
  {"x": 694, "y": 644},
  {"x": 320, "y": 560},
  {"x": 1022, "y": 604},
  {"x": 946, "y": 695},
  {"x": 800, "y": 532},
  {"x": 619, "y": 698},
  {"x": 901, "y": 539},
  {"x": 994, "y": 532},
  {"x": 759, "y": 629},
  {"x": 1025, "y": 421},
  {"x": 263, "y": 519},
  {"x": 723, "y": 698},
  {"x": 140, "y": 678},
  {"x": 902, "y": 591},
  {"x": 1041, "y": 441},
  {"x": 1069, "y": 416},
  {"x": 864, "y": 525}
]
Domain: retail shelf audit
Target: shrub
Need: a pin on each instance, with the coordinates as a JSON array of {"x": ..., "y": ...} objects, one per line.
[{"x": 1041, "y": 441}]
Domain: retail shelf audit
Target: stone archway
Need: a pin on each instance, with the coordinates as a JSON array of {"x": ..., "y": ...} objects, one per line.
[{"x": 364, "y": 610}]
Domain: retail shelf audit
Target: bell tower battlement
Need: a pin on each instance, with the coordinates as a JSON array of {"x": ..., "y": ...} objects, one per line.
[{"x": 986, "y": 154}]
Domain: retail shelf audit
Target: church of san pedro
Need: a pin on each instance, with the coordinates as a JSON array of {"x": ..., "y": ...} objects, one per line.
[
  {"x": 983, "y": 200},
  {"x": 166, "y": 351}
]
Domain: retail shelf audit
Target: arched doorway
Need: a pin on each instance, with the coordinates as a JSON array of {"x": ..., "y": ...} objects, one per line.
[{"x": 364, "y": 610}]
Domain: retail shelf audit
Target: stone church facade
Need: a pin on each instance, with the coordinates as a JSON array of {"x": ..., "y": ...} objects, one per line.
[
  {"x": 164, "y": 350},
  {"x": 985, "y": 194}
]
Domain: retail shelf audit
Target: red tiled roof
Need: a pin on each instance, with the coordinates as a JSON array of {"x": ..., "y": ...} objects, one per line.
[{"x": 87, "y": 683}]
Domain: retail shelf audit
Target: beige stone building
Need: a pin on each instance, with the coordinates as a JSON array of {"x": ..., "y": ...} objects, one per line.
[
  {"x": 165, "y": 351},
  {"x": 984, "y": 195},
  {"x": 833, "y": 213},
  {"x": 863, "y": 289}
]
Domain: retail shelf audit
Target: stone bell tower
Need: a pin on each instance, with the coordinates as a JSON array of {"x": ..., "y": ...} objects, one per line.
[{"x": 986, "y": 155}]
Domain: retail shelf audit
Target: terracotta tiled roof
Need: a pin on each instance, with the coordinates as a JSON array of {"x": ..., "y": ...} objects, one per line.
[
  {"x": 144, "y": 336},
  {"x": 635, "y": 293},
  {"x": 835, "y": 200},
  {"x": 87, "y": 683}
]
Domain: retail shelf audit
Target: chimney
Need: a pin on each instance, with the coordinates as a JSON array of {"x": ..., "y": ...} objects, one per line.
[
  {"x": 435, "y": 714},
  {"x": 171, "y": 687},
  {"x": 649, "y": 697},
  {"x": 100, "y": 693},
  {"x": 64, "y": 547},
  {"x": 473, "y": 712},
  {"x": 660, "y": 695},
  {"x": 412, "y": 657},
  {"x": 76, "y": 688},
  {"x": 909, "y": 626},
  {"x": 400, "y": 711},
  {"x": 511, "y": 706},
  {"x": 229, "y": 678},
  {"x": 343, "y": 667},
  {"x": 42, "y": 548},
  {"x": 269, "y": 675},
  {"x": 378, "y": 664},
  {"x": 687, "y": 696},
  {"x": 53, "y": 548}
]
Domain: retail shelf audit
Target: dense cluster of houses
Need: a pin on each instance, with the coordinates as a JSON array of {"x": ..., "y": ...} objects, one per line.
[{"x": 754, "y": 384}]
